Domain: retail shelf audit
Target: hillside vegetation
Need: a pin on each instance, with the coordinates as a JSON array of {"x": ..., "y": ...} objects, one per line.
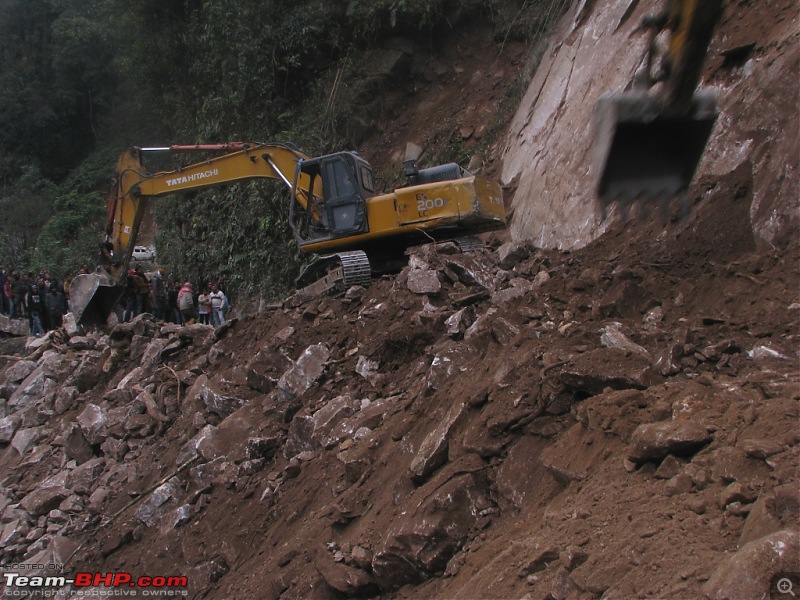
[{"x": 84, "y": 79}]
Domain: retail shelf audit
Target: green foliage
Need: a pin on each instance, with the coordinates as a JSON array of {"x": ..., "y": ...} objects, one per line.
[
  {"x": 80, "y": 80},
  {"x": 67, "y": 241},
  {"x": 25, "y": 207},
  {"x": 238, "y": 234}
]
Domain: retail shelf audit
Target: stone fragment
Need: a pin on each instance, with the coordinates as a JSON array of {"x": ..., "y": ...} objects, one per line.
[
  {"x": 219, "y": 404},
  {"x": 31, "y": 391},
  {"x": 735, "y": 492},
  {"x": 669, "y": 468},
  {"x": 159, "y": 502},
  {"x": 762, "y": 449},
  {"x": 612, "y": 337},
  {"x": 86, "y": 475},
  {"x": 654, "y": 441},
  {"x": 512, "y": 253},
  {"x": 75, "y": 445},
  {"x": 93, "y": 421},
  {"x": 346, "y": 580},
  {"x": 749, "y": 572},
  {"x": 432, "y": 453},
  {"x": 594, "y": 371},
  {"x": 424, "y": 282},
  {"x": 458, "y": 322},
  {"x": 540, "y": 559},
  {"x": 368, "y": 369},
  {"x": 422, "y": 545},
  {"x": 65, "y": 399},
  {"x": 42, "y": 500},
  {"x": 24, "y": 439},
  {"x": 305, "y": 372},
  {"x": 8, "y": 427},
  {"x": 18, "y": 371}
]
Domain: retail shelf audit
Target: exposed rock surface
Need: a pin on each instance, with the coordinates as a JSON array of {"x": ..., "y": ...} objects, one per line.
[{"x": 616, "y": 421}]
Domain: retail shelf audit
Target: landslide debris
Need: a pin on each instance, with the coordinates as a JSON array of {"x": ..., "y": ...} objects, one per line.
[{"x": 616, "y": 421}]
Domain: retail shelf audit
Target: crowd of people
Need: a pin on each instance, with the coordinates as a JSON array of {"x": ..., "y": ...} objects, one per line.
[
  {"x": 44, "y": 300},
  {"x": 172, "y": 301}
]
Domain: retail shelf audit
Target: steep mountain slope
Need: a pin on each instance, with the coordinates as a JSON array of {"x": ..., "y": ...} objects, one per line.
[{"x": 618, "y": 420}]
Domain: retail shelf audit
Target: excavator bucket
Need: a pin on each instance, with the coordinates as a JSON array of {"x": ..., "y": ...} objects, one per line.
[
  {"x": 643, "y": 153},
  {"x": 92, "y": 297}
]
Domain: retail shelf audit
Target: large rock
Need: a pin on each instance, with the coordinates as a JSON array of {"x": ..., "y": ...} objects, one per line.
[
  {"x": 432, "y": 453},
  {"x": 424, "y": 282},
  {"x": 8, "y": 427},
  {"x": 18, "y": 371},
  {"x": 594, "y": 371},
  {"x": 219, "y": 404},
  {"x": 749, "y": 573},
  {"x": 160, "y": 502},
  {"x": 17, "y": 327},
  {"x": 305, "y": 372},
  {"x": 32, "y": 390},
  {"x": 344, "y": 579},
  {"x": 511, "y": 253},
  {"x": 655, "y": 441},
  {"x": 75, "y": 445},
  {"x": 423, "y": 543},
  {"x": 42, "y": 500},
  {"x": 93, "y": 421},
  {"x": 24, "y": 439}
]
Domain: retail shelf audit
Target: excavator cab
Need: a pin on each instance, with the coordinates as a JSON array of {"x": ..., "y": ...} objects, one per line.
[{"x": 347, "y": 182}]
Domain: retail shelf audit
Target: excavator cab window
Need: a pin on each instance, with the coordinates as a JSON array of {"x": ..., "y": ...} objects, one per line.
[{"x": 346, "y": 183}]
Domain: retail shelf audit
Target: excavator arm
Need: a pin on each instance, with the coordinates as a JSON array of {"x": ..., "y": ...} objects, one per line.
[
  {"x": 649, "y": 141},
  {"x": 133, "y": 186}
]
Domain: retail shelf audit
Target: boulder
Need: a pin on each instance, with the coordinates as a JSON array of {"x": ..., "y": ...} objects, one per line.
[
  {"x": 8, "y": 427},
  {"x": 31, "y": 391},
  {"x": 18, "y": 371},
  {"x": 432, "y": 453},
  {"x": 93, "y": 421},
  {"x": 305, "y": 372},
  {"x": 424, "y": 282},
  {"x": 421, "y": 545},
  {"x": 219, "y": 404},
  {"x": 75, "y": 445},
  {"x": 594, "y": 371},
  {"x": 749, "y": 572},
  {"x": 511, "y": 253},
  {"x": 42, "y": 500},
  {"x": 160, "y": 502},
  {"x": 24, "y": 439},
  {"x": 654, "y": 441}
]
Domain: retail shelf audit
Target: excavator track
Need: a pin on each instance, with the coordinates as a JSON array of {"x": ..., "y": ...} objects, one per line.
[
  {"x": 470, "y": 243},
  {"x": 335, "y": 273}
]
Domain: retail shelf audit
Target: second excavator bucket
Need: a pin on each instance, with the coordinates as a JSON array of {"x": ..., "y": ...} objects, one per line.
[
  {"x": 92, "y": 297},
  {"x": 643, "y": 153}
]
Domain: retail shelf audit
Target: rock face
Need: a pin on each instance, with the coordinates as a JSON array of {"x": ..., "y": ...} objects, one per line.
[{"x": 595, "y": 51}]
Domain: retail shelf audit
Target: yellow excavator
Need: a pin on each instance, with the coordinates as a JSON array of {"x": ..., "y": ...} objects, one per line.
[
  {"x": 335, "y": 211},
  {"x": 649, "y": 141}
]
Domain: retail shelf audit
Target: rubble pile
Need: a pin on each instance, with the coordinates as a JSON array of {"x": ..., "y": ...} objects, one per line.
[{"x": 504, "y": 422}]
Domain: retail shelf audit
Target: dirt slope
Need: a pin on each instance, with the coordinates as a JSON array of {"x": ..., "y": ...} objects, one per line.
[{"x": 616, "y": 421}]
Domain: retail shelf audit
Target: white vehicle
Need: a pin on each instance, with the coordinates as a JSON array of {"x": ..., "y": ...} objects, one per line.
[{"x": 143, "y": 253}]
